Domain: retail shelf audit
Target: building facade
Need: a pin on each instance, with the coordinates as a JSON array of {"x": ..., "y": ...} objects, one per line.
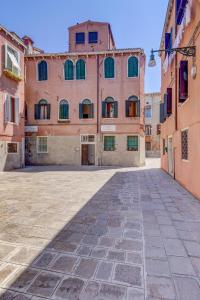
[
  {"x": 85, "y": 106},
  {"x": 180, "y": 110},
  {"x": 11, "y": 100},
  {"x": 152, "y": 124}
]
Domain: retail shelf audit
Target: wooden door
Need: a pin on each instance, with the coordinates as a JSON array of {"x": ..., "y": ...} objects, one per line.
[{"x": 84, "y": 155}]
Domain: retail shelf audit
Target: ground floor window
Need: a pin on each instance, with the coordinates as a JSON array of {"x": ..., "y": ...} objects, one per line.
[
  {"x": 132, "y": 143},
  {"x": 12, "y": 147},
  {"x": 109, "y": 143},
  {"x": 184, "y": 144},
  {"x": 148, "y": 146},
  {"x": 42, "y": 144},
  {"x": 148, "y": 130}
]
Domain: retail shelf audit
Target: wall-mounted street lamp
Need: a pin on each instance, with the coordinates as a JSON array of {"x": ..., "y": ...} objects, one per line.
[{"x": 186, "y": 51}]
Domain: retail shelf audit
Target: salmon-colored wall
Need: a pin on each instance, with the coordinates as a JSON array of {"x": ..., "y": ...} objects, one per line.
[
  {"x": 188, "y": 113},
  {"x": 9, "y": 131},
  {"x": 56, "y": 88},
  {"x": 105, "y": 41}
]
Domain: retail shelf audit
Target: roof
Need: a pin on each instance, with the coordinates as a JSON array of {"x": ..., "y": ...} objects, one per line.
[
  {"x": 168, "y": 13},
  {"x": 13, "y": 35},
  {"x": 136, "y": 51}
]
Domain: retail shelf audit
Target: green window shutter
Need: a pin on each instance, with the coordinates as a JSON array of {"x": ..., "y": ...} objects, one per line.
[
  {"x": 37, "y": 111},
  {"x": 109, "y": 143},
  {"x": 48, "y": 111},
  {"x": 115, "y": 109},
  {"x": 103, "y": 109},
  {"x": 80, "y": 111},
  {"x": 42, "y": 70},
  {"x": 109, "y": 67},
  {"x": 64, "y": 111},
  {"x": 80, "y": 69},
  {"x": 91, "y": 110},
  {"x": 138, "y": 108},
  {"x": 127, "y": 108},
  {"x": 132, "y": 143},
  {"x": 132, "y": 66},
  {"x": 69, "y": 70}
]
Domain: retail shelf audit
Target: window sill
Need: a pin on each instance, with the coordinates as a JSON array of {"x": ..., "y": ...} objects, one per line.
[
  {"x": 42, "y": 152},
  {"x": 64, "y": 121},
  {"x": 185, "y": 160},
  {"x": 183, "y": 103},
  {"x": 8, "y": 73}
]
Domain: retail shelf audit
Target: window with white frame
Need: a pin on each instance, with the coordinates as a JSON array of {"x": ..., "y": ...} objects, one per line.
[
  {"x": 87, "y": 138},
  {"x": 11, "y": 109},
  {"x": 12, "y": 148},
  {"x": 12, "y": 60},
  {"x": 42, "y": 144}
]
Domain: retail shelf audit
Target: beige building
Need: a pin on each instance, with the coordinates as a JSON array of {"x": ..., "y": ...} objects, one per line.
[{"x": 152, "y": 124}]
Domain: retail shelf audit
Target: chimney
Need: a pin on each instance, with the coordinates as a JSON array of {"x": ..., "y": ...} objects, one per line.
[{"x": 28, "y": 42}]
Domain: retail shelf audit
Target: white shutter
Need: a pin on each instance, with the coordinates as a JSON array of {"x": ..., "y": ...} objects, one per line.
[
  {"x": 7, "y": 109},
  {"x": 17, "y": 111}
]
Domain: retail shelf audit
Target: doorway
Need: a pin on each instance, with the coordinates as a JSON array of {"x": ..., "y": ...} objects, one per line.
[
  {"x": 88, "y": 154},
  {"x": 170, "y": 156}
]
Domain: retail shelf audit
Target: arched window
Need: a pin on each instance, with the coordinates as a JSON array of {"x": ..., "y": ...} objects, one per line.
[
  {"x": 109, "y": 108},
  {"x": 133, "y": 107},
  {"x": 86, "y": 109},
  {"x": 69, "y": 70},
  {"x": 80, "y": 69},
  {"x": 42, "y": 110},
  {"x": 132, "y": 66},
  {"x": 42, "y": 70},
  {"x": 63, "y": 110},
  {"x": 109, "y": 67}
]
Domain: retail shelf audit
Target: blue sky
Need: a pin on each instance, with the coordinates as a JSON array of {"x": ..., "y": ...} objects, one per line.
[{"x": 134, "y": 24}]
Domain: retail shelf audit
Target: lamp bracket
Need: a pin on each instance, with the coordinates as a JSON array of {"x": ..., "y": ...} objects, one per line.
[{"x": 186, "y": 51}]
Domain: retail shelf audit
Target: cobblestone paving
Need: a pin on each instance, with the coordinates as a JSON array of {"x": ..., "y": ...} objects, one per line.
[{"x": 97, "y": 234}]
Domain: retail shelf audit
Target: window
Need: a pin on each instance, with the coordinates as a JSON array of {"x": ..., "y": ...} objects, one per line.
[
  {"x": 80, "y": 69},
  {"x": 183, "y": 80},
  {"x": 86, "y": 109},
  {"x": 148, "y": 146},
  {"x": 42, "y": 70},
  {"x": 158, "y": 129},
  {"x": 184, "y": 144},
  {"x": 148, "y": 112},
  {"x": 168, "y": 42},
  {"x": 69, "y": 70},
  {"x": 12, "y": 147},
  {"x": 109, "y": 143},
  {"x": 42, "y": 110},
  {"x": 63, "y": 110},
  {"x": 12, "y": 60},
  {"x": 133, "y": 107},
  {"x": 109, "y": 67},
  {"x": 147, "y": 129},
  {"x": 11, "y": 111},
  {"x": 164, "y": 148},
  {"x": 80, "y": 38},
  {"x": 132, "y": 66},
  {"x": 132, "y": 143},
  {"x": 169, "y": 101},
  {"x": 93, "y": 37},
  {"x": 109, "y": 108},
  {"x": 87, "y": 138},
  {"x": 180, "y": 10},
  {"x": 42, "y": 144}
]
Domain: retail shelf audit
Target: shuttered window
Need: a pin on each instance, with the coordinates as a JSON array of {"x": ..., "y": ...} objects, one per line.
[
  {"x": 132, "y": 66},
  {"x": 109, "y": 143},
  {"x": 42, "y": 70},
  {"x": 93, "y": 37},
  {"x": 80, "y": 38},
  {"x": 63, "y": 110},
  {"x": 180, "y": 10},
  {"x": 12, "y": 148},
  {"x": 109, "y": 108},
  {"x": 132, "y": 143},
  {"x": 69, "y": 70},
  {"x": 184, "y": 144},
  {"x": 42, "y": 110},
  {"x": 42, "y": 144},
  {"x": 80, "y": 69},
  {"x": 162, "y": 113},
  {"x": 169, "y": 101},
  {"x": 133, "y": 107},
  {"x": 183, "y": 80},
  {"x": 11, "y": 110},
  {"x": 86, "y": 109},
  {"x": 109, "y": 67}
]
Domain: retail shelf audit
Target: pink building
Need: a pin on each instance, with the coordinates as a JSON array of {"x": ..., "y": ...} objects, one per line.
[{"x": 11, "y": 100}]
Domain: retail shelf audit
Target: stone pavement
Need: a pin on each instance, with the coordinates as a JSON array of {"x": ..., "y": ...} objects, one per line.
[{"x": 98, "y": 234}]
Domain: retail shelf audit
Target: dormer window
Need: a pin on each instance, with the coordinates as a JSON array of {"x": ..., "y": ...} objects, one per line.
[
  {"x": 80, "y": 38},
  {"x": 93, "y": 37}
]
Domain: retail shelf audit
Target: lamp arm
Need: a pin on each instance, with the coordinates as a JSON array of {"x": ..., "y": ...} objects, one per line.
[{"x": 187, "y": 51}]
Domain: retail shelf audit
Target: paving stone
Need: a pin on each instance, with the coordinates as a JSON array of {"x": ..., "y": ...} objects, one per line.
[
  {"x": 98, "y": 252},
  {"x": 84, "y": 250},
  {"x": 196, "y": 264},
  {"x": 134, "y": 257},
  {"x": 22, "y": 279},
  {"x": 186, "y": 235},
  {"x": 107, "y": 241},
  {"x": 44, "y": 284},
  {"x": 24, "y": 255},
  {"x": 127, "y": 244},
  {"x": 157, "y": 267},
  {"x": 116, "y": 255},
  {"x": 6, "y": 270},
  {"x": 44, "y": 260},
  {"x": 135, "y": 294},
  {"x": 132, "y": 225},
  {"x": 193, "y": 248},
  {"x": 132, "y": 234},
  {"x": 181, "y": 265},
  {"x": 64, "y": 263},
  {"x": 91, "y": 291},
  {"x": 9, "y": 295},
  {"x": 86, "y": 268},
  {"x": 155, "y": 252},
  {"x": 90, "y": 240},
  {"x": 154, "y": 241},
  {"x": 5, "y": 250},
  {"x": 126, "y": 274},
  {"x": 174, "y": 247},
  {"x": 104, "y": 270},
  {"x": 111, "y": 292},
  {"x": 164, "y": 220},
  {"x": 160, "y": 287},
  {"x": 168, "y": 231},
  {"x": 187, "y": 288},
  {"x": 70, "y": 289},
  {"x": 64, "y": 246}
]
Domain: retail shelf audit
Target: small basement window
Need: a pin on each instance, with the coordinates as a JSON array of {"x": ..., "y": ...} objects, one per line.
[
  {"x": 42, "y": 144},
  {"x": 12, "y": 147}
]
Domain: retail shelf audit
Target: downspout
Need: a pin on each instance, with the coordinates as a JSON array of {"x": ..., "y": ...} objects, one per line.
[
  {"x": 98, "y": 117},
  {"x": 176, "y": 102}
]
